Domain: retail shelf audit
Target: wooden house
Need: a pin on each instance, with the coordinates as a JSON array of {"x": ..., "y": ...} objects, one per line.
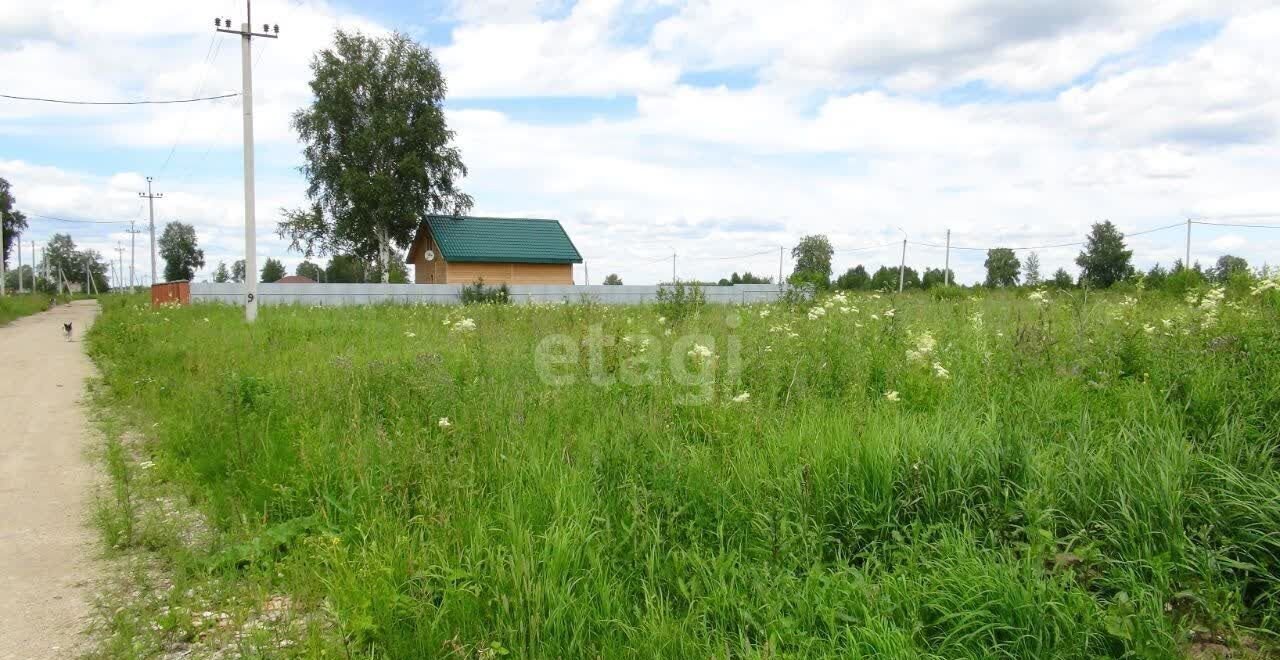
[{"x": 464, "y": 250}]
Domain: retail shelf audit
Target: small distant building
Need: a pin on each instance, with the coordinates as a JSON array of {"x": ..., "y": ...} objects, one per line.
[
  {"x": 295, "y": 279},
  {"x": 463, "y": 250}
]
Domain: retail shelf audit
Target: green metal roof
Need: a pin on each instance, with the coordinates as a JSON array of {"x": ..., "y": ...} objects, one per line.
[{"x": 521, "y": 240}]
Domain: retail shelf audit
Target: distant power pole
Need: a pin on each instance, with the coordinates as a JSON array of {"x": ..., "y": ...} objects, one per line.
[
  {"x": 246, "y": 99},
  {"x": 946, "y": 263},
  {"x": 3, "y": 262},
  {"x": 1187, "y": 264},
  {"x": 18, "y": 242},
  {"x": 120, "y": 272},
  {"x": 33, "y": 266},
  {"x": 902, "y": 266},
  {"x": 151, "y": 200},
  {"x": 673, "y": 267},
  {"x": 133, "y": 250},
  {"x": 781, "y": 249}
]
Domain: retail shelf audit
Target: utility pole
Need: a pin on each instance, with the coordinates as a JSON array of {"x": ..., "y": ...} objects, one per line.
[
  {"x": 673, "y": 267},
  {"x": 33, "y": 266},
  {"x": 1187, "y": 264},
  {"x": 586, "y": 272},
  {"x": 133, "y": 250},
  {"x": 946, "y": 263},
  {"x": 120, "y": 272},
  {"x": 902, "y": 266},
  {"x": 3, "y": 262},
  {"x": 246, "y": 99},
  {"x": 151, "y": 200},
  {"x": 780, "y": 252},
  {"x": 18, "y": 242}
]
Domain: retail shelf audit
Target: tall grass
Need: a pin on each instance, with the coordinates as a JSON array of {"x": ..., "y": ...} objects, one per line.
[
  {"x": 16, "y": 306},
  {"x": 1093, "y": 476}
]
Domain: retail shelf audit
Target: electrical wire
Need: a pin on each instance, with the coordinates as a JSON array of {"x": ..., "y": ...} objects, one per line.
[
  {"x": 868, "y": 247},
  {"x": 1234, "y": 224},
  {"x": 144, "y": 102},
  {"x": 85, "y": 222}
]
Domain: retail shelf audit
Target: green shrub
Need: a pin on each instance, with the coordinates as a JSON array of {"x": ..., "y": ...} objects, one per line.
[{"x": 477, "y": 292}]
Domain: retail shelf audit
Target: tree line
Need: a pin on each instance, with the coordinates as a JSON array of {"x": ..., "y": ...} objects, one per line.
[{"x": 1104, "y": 261}]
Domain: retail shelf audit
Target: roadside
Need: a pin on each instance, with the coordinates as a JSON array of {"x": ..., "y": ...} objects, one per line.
[{"x": 45, "y": 484}]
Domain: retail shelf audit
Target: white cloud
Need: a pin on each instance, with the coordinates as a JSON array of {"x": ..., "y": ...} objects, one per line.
[{"x": 573, "y": 56}]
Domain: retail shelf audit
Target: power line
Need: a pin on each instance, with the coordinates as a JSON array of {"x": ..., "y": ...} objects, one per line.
[
  {"x": 1234, "y": 224},
  {"x": 86, "y": 222},
  {"x": 868, "y": 247},
  {"x": 143, "y": 102}
]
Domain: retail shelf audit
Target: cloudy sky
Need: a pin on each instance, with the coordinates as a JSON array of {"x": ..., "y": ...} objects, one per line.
[{"x": 707, "y": 129}]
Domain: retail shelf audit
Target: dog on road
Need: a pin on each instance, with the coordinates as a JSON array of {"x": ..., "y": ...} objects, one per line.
[{"x": 66, "y": 330}]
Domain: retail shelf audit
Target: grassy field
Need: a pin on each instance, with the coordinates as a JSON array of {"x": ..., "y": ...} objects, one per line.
[
  {"x": 17, "y": 306},
  {"x": 1060, "y": 475}
]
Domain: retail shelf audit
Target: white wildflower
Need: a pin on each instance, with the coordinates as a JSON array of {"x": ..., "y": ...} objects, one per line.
[
  {"x": 662, "y": 320},
  {"x": 1148, "y": 328},
  {"x": 409, "y": 334},
  {"x": 888, "y": 313},
  {"x": 465, "y": 325},
  {"x": 742, "y": 398},
  {"x": 817, "y": 313},
  {"x": 1039, "y": 297},
  {"x": 891, "y": 395},
  {"x": 940, "y": 371},
  {"x": 700, "y": 352},
  {"x": 764, "y": 313},
  {"x": 444, "y": 423},
  {"x": 924, "y": 345}
]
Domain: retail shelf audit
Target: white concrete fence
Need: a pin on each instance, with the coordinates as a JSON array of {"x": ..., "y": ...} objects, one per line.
[{"x": 451, "y": 294}]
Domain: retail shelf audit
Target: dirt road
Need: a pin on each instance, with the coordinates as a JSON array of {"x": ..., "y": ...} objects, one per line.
[{"x": 45, "y": 479}]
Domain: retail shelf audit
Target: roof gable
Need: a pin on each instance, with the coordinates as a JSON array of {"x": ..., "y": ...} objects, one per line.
[{"x": 518, "y": 240}]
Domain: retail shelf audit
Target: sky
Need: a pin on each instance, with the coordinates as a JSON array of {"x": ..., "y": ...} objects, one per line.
[{"x": 707, "y": 130}]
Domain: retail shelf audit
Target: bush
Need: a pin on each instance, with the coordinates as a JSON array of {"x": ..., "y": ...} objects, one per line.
[
  {"x": 477, "y": 292},
  {"x": 681, "y": 300}
]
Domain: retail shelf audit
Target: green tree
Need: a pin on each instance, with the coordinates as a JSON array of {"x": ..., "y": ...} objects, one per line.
[
  {"x": 237, "y": 270},
  {"x": 1157, "y": 277},
  {"x": 1031, "y": 270},
  {"x": 1062, "y": 279},
  {"x": 1002, "y": 267},
  {"x": 220, "y": 274},
  {"x": 613, "y": 279},
  {"x": 1227, "y": 266},
  {"x": 886, "y": 278},
  {"x": 937, "y": 277},
  {"x": 813, "y": 261},
  {"x": 272, "y": 270},
  {"x": 11, "y": 219},
  {"x": 346, "y": 269},
  {"x": 378, "y": 154},
  {"x": 1104, "y": 260},
  {"x": 854, "y": 279},
  {"x": 182, "y": 258},
  {"x": 61, "y": 256},
  {"x": 310, "y": 270}
]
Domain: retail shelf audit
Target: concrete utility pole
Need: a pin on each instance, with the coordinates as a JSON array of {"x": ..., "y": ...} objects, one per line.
[
  {"x": 3, "y": 263},
  {"x": 1187, "y": 264},
  {"x": 902, "y": 266},
  {"x": 151, "y": 200},
  {"x": 781, "y": 249},
  {"x": 246, "y": 99},
  {"x": 18, "y": 242},
  {"x": 673, "y": 267},
  {"x": 120, "y": 272},
  {"x": 33, "y": 266},
  {"x": 946, "y": 263},
  {"x": 133, "y": 250}
]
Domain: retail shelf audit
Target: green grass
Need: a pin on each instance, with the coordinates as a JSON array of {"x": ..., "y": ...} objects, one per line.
[
  {"x": 17, "y": 306},
  {"x": 1096, "y": 476}
]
